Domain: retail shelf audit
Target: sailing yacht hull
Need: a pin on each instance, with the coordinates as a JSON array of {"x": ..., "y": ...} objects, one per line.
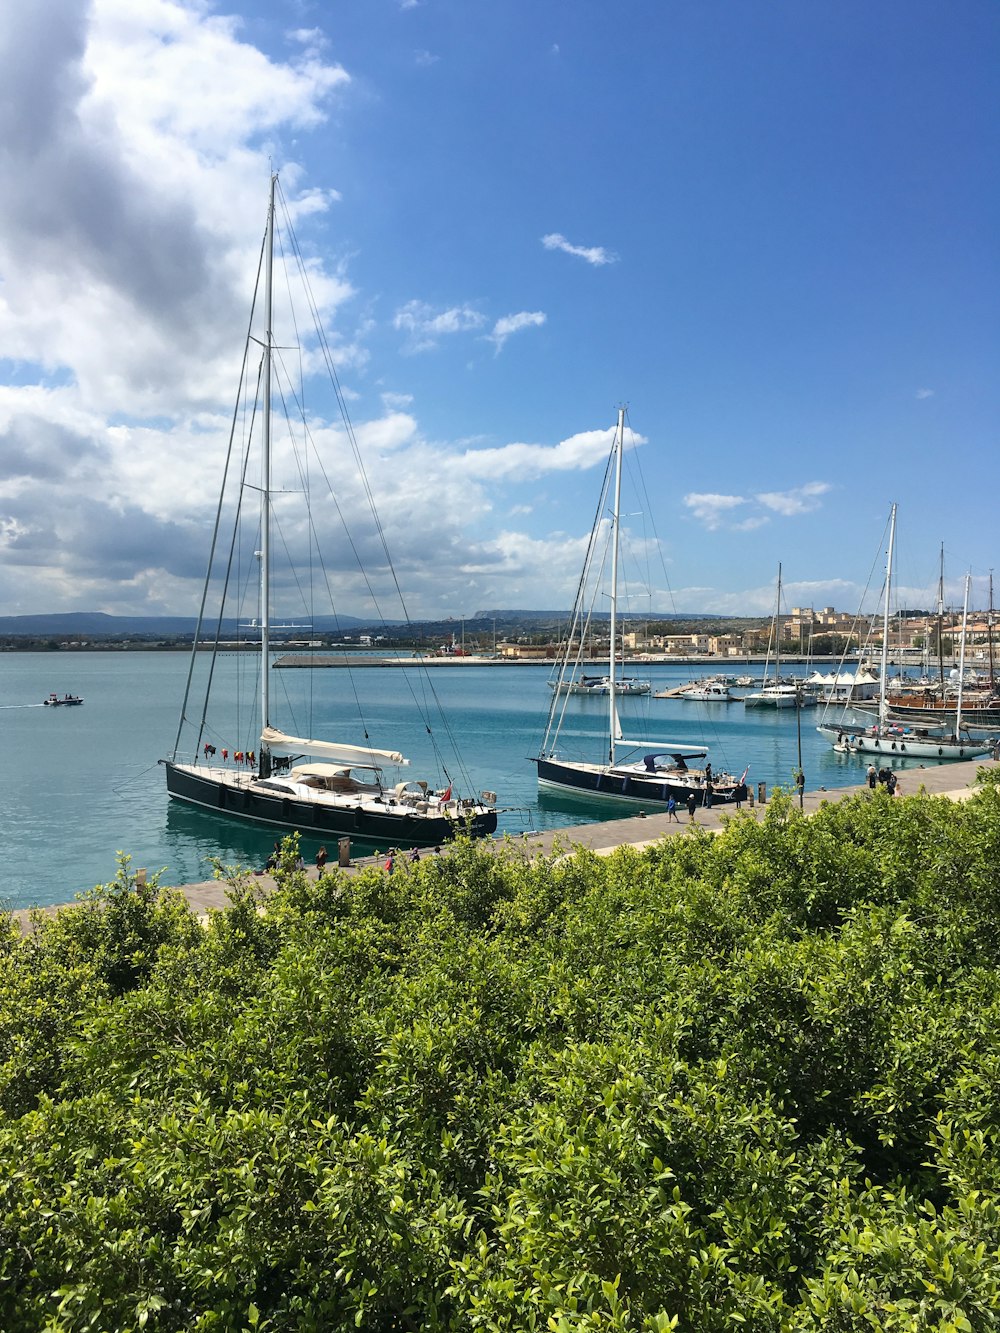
[
  {"x": 626, "y": 785},
  {"x": 381, "y": 819},
  {"x": 938, "y": 748}
]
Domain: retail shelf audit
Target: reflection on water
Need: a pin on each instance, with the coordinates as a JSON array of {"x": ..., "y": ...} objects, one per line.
[{"x": 200, "y": 837}]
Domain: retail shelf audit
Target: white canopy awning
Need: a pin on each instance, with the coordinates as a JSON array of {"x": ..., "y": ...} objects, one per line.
[{"x": 355, "y": 755}]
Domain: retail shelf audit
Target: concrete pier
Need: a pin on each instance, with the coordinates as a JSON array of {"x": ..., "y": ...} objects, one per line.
[{"x": 954, "y": 781}]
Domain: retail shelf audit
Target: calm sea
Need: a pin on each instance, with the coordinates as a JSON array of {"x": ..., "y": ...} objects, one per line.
[{"x": 82, "y": 784}]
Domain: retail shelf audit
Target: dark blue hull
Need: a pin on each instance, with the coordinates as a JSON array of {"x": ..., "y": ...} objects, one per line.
[
  {"x": 393, "y": 828},
  {"x": 612, "y": 785}
]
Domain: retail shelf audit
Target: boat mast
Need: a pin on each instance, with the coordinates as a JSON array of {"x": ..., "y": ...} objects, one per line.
[
  {"x": 961, "y": 658},
  {"x": 940, "y": 620},
  {"x": 613, "y": 711},
  {"x": 884, "y": 671},
  {"x": 777, "y": 633},
  {"x": 265, "y": 493},
  {"x": 989, "y": 635}
]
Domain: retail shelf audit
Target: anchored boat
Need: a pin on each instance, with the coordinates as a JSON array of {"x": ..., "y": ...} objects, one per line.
[
  {"x": 635, "y": 773},
  {"x": 325, "y": 787}
]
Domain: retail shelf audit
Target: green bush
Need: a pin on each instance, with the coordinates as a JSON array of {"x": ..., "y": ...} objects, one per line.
[{"x": 743, "y": 1082}]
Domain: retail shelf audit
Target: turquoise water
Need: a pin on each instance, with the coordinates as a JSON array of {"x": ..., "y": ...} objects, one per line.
[{"x": 84, "y": 783}]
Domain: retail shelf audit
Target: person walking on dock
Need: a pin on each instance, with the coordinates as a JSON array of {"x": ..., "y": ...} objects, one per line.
[
  {"x": 692, "y": 802},
  {"x": 321, "y": 860},
  {"x": 872, "y": 776},
  {"x": 672, "y": 810}
]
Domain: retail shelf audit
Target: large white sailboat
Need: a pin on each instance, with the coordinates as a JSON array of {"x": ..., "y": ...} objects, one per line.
[
  {"x": 886, "y": 739},
  {"x": 634, "y": 773},
  {"x": 246, "y": 766}
]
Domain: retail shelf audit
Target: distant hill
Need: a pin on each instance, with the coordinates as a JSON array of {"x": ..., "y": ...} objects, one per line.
[{"x": 98, "y": 625}]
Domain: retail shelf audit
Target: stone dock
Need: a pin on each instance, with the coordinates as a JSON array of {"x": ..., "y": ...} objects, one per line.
[{"x": 954, "y": 781}]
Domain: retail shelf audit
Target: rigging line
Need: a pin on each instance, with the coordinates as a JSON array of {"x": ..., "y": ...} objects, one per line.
[
  {"x": 876, "y": 560},
  {"x": 635, "y": 467},
  {"x": 345, "y": 415},
  {"x": 579, "y": 623},
  {"x": 352, "y": 438},
  {"x": 302, "y": 463},
  {"x": 302, "y": 460},
  {"x": 215, "y": 529},
  {"x": 348, "y": 426},
  {"x": 582, "y": 615}
]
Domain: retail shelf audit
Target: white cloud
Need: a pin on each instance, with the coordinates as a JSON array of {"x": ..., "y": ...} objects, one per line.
[
  {"x": 710, "y": 508},
  {"x": 509, "y": 324},
  {"x": 593, "y": 254},
  {"x": 925, "y": 393},
  {"x": 527, "y": 461},
  {"x": 801, "y": 500},
  {"x": 425, "y": 327}
]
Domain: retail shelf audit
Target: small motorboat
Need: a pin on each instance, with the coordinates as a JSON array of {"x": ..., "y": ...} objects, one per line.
[
  {"x": 66, "y": 700},
  {"x": 708, "y": 691}
]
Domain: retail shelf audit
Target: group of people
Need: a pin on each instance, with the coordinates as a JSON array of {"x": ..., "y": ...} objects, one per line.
[
  {"x": 692, "y": 803},
  {"x": 883, "y": 777}
]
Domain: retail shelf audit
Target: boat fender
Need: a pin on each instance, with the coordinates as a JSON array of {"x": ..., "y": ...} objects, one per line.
[
  {"x": 894, "y": 745},
  {"x": 940, "y": 750},
  {"x": 902, "y": 748}
]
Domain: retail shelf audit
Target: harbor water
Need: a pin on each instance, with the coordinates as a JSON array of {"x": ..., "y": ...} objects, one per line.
[{"x": 84, "y": 784}]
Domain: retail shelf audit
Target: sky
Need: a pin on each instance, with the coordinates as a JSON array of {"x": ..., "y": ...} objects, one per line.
[{"x": 769, "y": 227}]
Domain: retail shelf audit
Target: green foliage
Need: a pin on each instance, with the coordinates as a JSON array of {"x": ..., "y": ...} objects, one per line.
[{"x": 741, "y": 1082}]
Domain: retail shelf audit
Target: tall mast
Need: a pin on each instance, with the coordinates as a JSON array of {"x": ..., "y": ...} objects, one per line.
[
  {"x": 989, "y": 634},
  {"x": 265, "y": 492},
  {"x": 961, "y": 658},
  {"x": 777, "y": 632},
  {"x": 884, "y": 672},
  {"x": 940, "y": 619},
  {"x": 613, "y": 711}
]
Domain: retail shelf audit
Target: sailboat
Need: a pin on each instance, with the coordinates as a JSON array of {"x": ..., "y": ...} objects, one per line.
[
  {"x": 888, "y": 739},
  {"x": 937, "y": 705},
  {"x": 779, "y": 693},
  {"x": 324, "y": 787},
  {"x": 666, "y": 769}
]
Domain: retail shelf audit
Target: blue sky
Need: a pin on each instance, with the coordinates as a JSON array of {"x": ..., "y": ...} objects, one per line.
[{"x": 769, "y": 227}]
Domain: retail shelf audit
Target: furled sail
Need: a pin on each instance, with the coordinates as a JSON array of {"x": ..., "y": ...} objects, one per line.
[{"x": 279, "y": 744}]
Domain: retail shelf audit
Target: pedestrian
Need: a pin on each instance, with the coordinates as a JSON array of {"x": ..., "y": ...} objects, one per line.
[
  {"x": 672, "y": 810},
  {"x": 708, "y": 772},
  {"x": 390, "y": 861},
  {"x": 739, "y": 795},
  {"x": 415, "y": 855},
  {"x": 709, "y": 791},
  {"x": 692, "y": 802},
  {"x": 872, "y": 776},
  {"x": 890, "y": 782},
  {"x": 321, "y": 860}
]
